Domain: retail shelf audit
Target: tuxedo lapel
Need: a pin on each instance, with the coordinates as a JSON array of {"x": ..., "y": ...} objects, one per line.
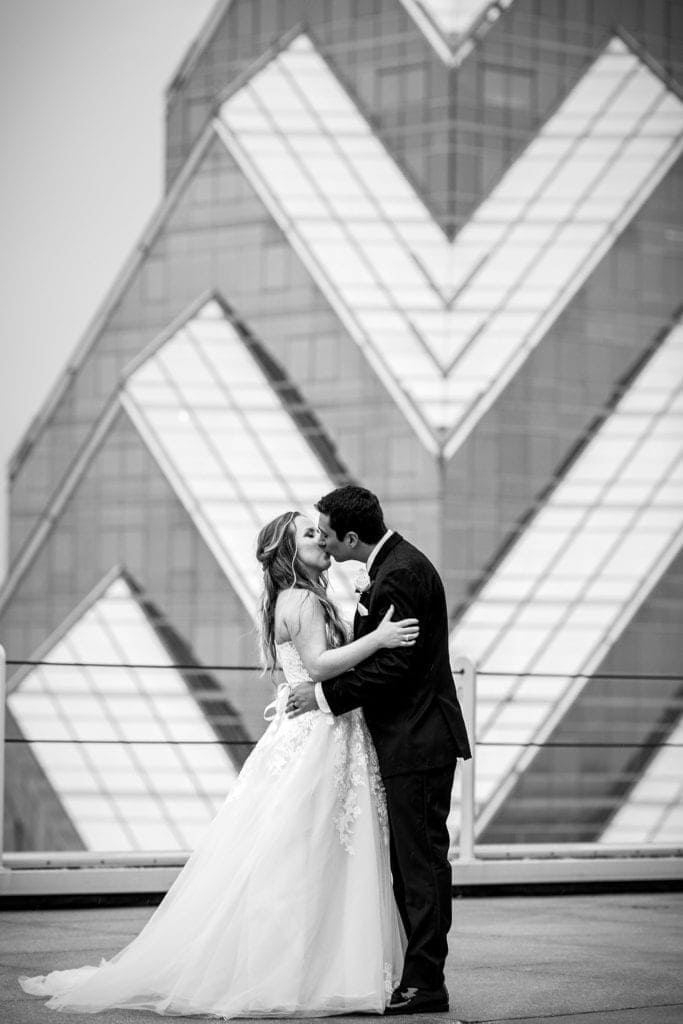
[{"x": 386, "y": 549}]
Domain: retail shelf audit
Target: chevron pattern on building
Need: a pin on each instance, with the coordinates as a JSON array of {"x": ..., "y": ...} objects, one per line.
[
  {"x": 236, "y": 459},
  {"x": 99, "y": 732},
  {"x": 446, "y": 324},
  {"x": 543, "y": 621}
]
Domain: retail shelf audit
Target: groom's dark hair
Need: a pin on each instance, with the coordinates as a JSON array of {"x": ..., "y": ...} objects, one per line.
[{"x": 354, "y": 508}]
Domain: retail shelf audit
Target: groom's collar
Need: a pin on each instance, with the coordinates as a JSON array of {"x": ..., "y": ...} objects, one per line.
[
  {"x": 379, "y": 553},
  {"x": 377, "y": 548}
]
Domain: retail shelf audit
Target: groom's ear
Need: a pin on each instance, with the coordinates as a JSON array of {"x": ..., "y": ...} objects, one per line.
[{"x": 351, "y": 539}]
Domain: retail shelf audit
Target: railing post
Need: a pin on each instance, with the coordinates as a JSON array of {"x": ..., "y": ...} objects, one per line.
[
  {"x": 3, "y": 699},
  {"x": 466, "y": 687}
]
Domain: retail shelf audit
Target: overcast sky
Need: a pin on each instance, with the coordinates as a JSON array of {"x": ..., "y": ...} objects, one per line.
[{"x": 81, "y": 112}]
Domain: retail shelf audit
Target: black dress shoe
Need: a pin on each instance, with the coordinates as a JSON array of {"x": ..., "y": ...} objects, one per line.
[{"x": 417, "y": 1000}]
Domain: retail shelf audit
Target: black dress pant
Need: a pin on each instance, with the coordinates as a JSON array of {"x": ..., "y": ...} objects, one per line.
[{"x": 418, "y": 805}]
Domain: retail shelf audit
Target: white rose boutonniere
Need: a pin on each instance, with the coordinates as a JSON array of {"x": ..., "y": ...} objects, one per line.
[{"x": 362, "y": 581}]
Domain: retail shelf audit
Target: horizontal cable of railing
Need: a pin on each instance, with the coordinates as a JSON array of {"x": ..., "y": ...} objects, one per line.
[
  {"x": 242, "y": 743},
  {"x": 645, "y": 677},
  {"x": 585, "y": 675},
  {"x": 124, "y": 664}
]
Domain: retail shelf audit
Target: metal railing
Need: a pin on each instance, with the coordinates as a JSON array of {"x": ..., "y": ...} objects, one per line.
[{"x": 476, "y": 863}]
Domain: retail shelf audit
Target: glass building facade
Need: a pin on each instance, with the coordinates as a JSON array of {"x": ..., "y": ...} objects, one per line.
[{"x": 434, "y": 248}]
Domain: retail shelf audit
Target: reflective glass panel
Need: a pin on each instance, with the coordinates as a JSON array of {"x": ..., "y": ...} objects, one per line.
[
  {"x": 653, "y": 810},
  {"x": 118, "y": 794},
  {"x": 580, "y": 569},
  {"x": 233, "y": 454}
]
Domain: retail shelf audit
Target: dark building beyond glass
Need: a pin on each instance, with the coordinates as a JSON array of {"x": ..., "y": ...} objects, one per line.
[{"x": 432, "y": 247}]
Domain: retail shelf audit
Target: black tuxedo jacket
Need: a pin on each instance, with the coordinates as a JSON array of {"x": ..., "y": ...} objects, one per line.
[{"x": 407, "y": 694}]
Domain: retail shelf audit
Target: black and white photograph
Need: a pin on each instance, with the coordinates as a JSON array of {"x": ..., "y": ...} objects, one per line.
[{"x": 341, "y": 510}]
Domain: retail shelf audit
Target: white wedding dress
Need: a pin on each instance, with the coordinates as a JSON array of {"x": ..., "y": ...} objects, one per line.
[{"x": 285, "y": 908}]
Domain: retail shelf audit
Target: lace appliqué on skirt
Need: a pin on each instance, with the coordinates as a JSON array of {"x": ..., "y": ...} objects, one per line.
[
  {"x": 355, "y": 766},
  {"x": 377, "y": 787},
  {"x": 290, "y": 742}
]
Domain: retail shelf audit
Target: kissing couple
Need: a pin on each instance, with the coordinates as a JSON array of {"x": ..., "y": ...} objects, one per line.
[{"x": 322, "y": 886}]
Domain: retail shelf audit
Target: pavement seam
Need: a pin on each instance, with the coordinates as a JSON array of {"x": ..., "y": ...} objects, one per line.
[{"x": 565, "y": 1013}]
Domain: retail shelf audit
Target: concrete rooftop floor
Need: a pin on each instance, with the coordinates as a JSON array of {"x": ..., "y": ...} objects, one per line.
[{"x": 599, "y": 959}]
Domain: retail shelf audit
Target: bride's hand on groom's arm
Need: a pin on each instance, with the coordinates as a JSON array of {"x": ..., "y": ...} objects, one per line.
[
  {"x": 301, "y": 699},
  {"x": 402, "y": 633}
]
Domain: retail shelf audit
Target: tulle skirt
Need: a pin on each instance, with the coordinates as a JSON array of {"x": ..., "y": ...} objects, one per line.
[{"x": 285, "y": 908}]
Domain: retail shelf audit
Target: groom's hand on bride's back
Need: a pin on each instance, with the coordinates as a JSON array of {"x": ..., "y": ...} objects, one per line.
[{"x": 301, "y": 699}]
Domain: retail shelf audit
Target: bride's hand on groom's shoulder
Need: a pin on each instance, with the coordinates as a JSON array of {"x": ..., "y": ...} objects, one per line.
[{"x": 301, "y": 699}]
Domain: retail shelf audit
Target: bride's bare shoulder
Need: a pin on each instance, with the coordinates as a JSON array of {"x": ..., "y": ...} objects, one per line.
[
  {"x": 295, "y": 608},
  {"x": 296, "y": 599}
]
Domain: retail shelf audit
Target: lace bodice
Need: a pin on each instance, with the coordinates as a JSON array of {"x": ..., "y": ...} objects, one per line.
[
  {"x": 291, "y": 663},
  {"x": 356, "y": 761},
  {"x": 293, "y": 671},
  {"x": 287, "y": 740}
]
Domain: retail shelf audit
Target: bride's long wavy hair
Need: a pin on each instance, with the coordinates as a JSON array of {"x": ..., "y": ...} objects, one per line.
[{"x": 283, "y": 570}]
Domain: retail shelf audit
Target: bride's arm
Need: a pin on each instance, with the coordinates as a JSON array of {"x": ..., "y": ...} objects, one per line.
[{"x": 303, "y": 615}]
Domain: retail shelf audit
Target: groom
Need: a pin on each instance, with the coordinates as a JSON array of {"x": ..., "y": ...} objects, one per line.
[{"x": 412, "y": 711}]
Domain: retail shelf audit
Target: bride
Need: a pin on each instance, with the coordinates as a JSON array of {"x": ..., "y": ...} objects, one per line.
[{"x": 285, "y": 908}]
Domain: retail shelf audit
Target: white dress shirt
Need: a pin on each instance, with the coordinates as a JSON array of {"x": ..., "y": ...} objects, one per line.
[{"x": 319, "y": 695}]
